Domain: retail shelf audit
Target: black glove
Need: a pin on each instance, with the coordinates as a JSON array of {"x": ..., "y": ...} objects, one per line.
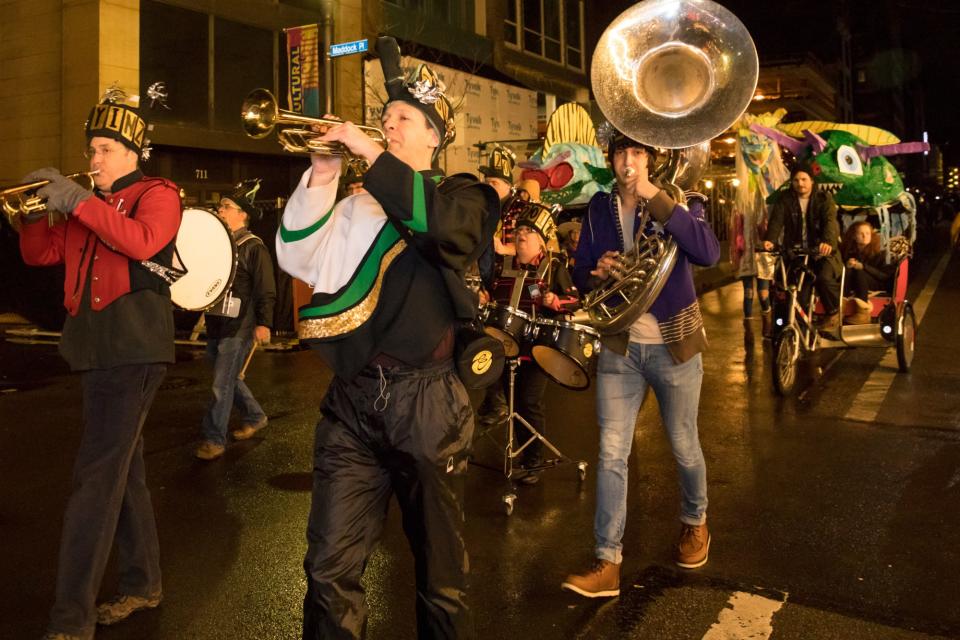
[{"x": 62, "y": 194}]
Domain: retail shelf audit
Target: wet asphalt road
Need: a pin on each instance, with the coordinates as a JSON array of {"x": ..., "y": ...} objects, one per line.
[{"x": 848, "y": 528}]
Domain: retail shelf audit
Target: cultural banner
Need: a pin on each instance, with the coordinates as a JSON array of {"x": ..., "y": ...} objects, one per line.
[{"x": 303, "y": 62}]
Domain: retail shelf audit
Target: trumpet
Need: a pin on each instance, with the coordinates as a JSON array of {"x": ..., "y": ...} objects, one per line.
[
  {"x": 22, "y": 199},
  {"x": 261, "y": 115}
]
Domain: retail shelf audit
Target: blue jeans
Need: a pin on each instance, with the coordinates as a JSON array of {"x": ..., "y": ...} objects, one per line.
[
  {"x": 227, "y": 356},
  {"x": 621, "y": 385}
]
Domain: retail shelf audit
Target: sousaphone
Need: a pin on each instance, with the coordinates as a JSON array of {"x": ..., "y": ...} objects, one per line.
[{"x": 672, "y": 74}]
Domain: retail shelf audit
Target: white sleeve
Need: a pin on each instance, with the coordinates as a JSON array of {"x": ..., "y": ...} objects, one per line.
[{"x": 304, "y": 226}]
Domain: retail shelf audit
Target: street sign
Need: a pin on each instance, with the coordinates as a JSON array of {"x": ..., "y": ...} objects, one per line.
[{"x": 348, "y": 48}]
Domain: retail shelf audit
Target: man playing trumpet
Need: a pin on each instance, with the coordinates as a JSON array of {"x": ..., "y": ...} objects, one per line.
[
  {"x": 386, "y": 269},
  {"x": 119, "y": 335}
]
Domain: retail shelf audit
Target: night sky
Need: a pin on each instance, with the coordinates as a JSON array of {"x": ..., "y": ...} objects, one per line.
[{"x": 929, "y": 33}]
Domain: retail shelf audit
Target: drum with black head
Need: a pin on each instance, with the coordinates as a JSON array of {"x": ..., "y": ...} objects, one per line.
[
  {"x": 508, "y": 325},
  {"x": 565, "y": 351}
]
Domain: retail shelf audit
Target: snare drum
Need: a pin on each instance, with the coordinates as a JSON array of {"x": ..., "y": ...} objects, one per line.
[
  {"x": 508, "y": 325},
  {"x": 208, "y": 254},
  {"x": 565, "y": 351}
]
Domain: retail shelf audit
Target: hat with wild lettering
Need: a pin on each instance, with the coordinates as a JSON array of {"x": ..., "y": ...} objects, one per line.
[
  {"x": 113, "y": 117},
  {"x": 541, "y": 219},
  {"x": 500, "y": 165},
  {"x": 422, "y": 88}
]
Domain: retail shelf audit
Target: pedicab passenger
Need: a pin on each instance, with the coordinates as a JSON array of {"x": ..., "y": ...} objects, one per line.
[{"x": 866, "y": 268}]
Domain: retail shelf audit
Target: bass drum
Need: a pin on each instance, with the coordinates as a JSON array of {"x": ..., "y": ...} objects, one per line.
[{"x": 207, "y": 253}]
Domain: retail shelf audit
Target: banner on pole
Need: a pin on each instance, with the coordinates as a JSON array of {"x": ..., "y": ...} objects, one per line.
[{"x": 303, "y": 61}]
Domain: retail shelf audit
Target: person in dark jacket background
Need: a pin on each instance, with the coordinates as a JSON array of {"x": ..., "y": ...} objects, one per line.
[
  {"x": 230, "y": 339},
  {"x": 807, "y": 218}
]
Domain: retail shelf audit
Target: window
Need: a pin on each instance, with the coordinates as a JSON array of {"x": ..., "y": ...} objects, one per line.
[
  {"x": 177, "y": 56},
  {"x": 551, "y": 29},
  {"x": 511, "y": 23},
  {"x": 243, "y": 61},
  {"x": 573, "y": 18}
]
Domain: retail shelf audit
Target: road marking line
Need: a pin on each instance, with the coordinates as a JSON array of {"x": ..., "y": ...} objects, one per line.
[
  {"x": 867, "y": 404},
  {"x": 746, "y": 616}
]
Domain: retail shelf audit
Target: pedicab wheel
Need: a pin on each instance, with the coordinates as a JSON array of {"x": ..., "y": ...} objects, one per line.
[
  {"x": 582, "y": 470},
  {"x": 906, "y": 336},
  {"x": 786, "y": 357},
  {"x": 508, "y": 500}
]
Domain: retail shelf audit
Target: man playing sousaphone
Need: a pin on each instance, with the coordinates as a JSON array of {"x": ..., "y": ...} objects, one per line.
[
  {"x": 387, "y": 273},
  {"x": 119, "y": 335},
  {"x": 661, "y": 350}
]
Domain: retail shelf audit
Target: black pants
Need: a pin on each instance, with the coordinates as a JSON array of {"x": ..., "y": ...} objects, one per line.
[
  {"x": 396, "y": 431},
  {"x": 827, "y": 284},
  {"x": 110, "y": 501},
  {"x": 860, "y": 283},
  {"x": 529, "y": 386}
]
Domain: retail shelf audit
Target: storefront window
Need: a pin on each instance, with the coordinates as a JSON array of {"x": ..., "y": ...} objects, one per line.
[
  {"x": 243, "y": 61},
  {"x": 178, "y": 57},
  {"x": 550, "y": 29},
  {"x": 511, "y": 23}
]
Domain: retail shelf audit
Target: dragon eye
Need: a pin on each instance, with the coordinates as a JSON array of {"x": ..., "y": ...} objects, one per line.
[{"x": 848, "y": 161}]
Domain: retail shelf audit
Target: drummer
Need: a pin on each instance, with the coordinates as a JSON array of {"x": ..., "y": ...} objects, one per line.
[{"x": 547, "y": 290}]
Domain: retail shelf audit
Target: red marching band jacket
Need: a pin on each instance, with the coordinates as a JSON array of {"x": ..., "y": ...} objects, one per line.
[{"x": 101, "y": 231}]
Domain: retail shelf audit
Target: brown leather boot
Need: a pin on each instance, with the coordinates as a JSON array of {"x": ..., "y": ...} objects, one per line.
[
  {"x": 601, "y": 580},
  {"x": 693, "y": 547}
]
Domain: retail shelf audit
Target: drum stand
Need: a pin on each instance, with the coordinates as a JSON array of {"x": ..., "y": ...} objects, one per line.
[{"x": 511, "y": 451}]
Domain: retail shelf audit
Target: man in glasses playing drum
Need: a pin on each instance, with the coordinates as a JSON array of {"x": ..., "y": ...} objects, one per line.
[
  {"x": 387, "y": 269},
  {"x": 119, "y": 335},
  {"x": 661, "y": 350},
  {"x": 232, "y": 332}
]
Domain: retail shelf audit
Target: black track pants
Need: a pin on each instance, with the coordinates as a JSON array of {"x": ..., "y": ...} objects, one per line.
[{"x": 404, "y": 431}]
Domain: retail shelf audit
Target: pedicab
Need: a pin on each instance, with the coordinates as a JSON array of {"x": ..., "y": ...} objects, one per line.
[
  {"x": 795, "y": 332},
  {"x": 850, "y": 161}
]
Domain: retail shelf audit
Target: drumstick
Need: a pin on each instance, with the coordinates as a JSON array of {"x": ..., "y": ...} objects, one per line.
[{"x": 246, "y": 363}]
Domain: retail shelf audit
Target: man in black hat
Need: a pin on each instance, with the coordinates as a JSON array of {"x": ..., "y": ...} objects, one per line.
[
  {"x": 231, "y": 335},
  {"x": 387, "y": 272},
  {"x": 119, "y": 335}
]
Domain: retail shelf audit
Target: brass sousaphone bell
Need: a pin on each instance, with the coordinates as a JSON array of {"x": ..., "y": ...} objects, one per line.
[{"x": 670, "y": 74}]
